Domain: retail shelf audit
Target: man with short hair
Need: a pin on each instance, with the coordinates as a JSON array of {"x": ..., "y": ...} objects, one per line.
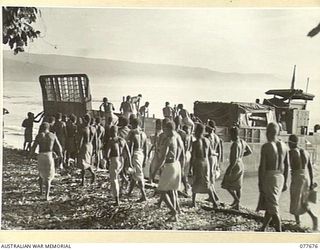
[
  {"x": 144, "y": 112},
  {"x": 107, "y": 108},
  {"x": 51, "y": 121},
  {"x": 126, "y": 107},
  {"x": 186, "y": 119},
  {"x": 233, "y": 178},
  {"x": 137, "y": 141},
  {"x": 167, "y": 111},
  {"x": 135, "y": 101},
  {"x": 28, "y": 132},
  {"x": 59, "y": 128},
  {"x": 216, "y": 154},
  {"x": 183, "y": 136},
  {"x": 99, "y": 145},
  {"x": 171, "y": 151},
  {"x": 71, "y": 142},
  {"x": 116, "y": 148},
  {"x": 155, "y": 147},
  {"x": 123, "y": 132},
  {"x": 47, "y": 142},
  {"x": 299, "y": 188},
  {"x": 201, "y": 150},
  {"x": 86, "y": 149},
  {"x": 273, "y": 173}
]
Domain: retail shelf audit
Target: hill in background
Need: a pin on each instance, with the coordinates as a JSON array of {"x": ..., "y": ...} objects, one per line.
[{"x": 28, "y": 67}]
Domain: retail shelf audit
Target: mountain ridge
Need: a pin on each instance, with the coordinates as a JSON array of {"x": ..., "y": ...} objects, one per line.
[{"x": 28, "y": 67}]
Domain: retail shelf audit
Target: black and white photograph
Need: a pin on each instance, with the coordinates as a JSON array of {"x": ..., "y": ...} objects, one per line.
[{"x": 170, "y": 119}]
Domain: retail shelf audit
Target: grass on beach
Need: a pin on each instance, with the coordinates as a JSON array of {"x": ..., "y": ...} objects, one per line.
[{"x": 91, "y": 207}]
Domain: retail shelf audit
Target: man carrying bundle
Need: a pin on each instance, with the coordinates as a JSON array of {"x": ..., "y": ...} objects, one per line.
[{"x": 299, "y": 188}]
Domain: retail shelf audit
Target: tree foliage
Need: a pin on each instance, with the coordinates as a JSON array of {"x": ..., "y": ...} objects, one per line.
[
  {"x": 314, "y": 31},
  {"x": 17, "y": 27}
]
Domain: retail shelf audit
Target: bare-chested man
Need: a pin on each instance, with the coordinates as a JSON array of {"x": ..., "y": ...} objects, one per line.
[
  {"x": 93, "y": 130},
  {"x": 155, "y": 148},
  {"x": 233, "y": 178},
  {"x": 160, "y": 144},
  {"x": 167, "y": 111},
  {"x": 135, "y": 101},
  {"x": 188, "y": 148},
  {"x": 71, "y": 143},
  {"x": 137, "y": 141},
  {"x": 85, "y": 150},
  {"x": 100, "y": 137},
  {"x": 126, "y": 107},
  {"x": 186, "y": 119},
  {"x": 59, "y": 128},
  {"x": 28, "y": 132},
  {"x": 51, "y": 121},
  {"x": 170, "y": 153},
  {"x": 107, "y": 109},
  {"x": 116, "y": 148},
  {"x": 273, "y": 172},
  {"x": 183, "y": 135},
  {"x": 300, "y": 163},
  {"x": 143, "y": 113},
  {"x": 123, "y": 132},
  {"x": 216, "y": 155},
  {"x": 201, "y": 150},
  {"x": 47, "y": 142}
]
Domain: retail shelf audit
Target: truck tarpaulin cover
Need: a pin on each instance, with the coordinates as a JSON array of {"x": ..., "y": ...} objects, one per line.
[{"x": 226, "y": 114}]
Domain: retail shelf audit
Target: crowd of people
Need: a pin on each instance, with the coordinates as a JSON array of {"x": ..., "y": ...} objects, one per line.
[{"x": 181, "y": 147}]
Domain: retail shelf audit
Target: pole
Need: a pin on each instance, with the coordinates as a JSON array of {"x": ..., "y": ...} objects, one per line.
[
  {"x": 307, "y": 85},
  {"x": 293, "y": 77},
  {"x": 307, "y": 91}
]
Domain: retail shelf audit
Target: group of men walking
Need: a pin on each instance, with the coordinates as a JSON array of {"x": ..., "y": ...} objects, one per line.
[{"x": 180, "y": 148}]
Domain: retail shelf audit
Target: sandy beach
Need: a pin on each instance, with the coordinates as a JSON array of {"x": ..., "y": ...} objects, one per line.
[{"x": 90, "y": 207}]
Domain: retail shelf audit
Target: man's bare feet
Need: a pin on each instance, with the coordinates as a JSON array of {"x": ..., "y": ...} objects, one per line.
[
  {"x": 48, "y": 198},
  {"x": 172, "y": 218},
  {"x": 93, "y": 178},
  {"x": 315, "y": 224}
]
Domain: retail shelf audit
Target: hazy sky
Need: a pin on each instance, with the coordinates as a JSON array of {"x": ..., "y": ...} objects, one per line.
[{"x": 230, "y": 40}]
